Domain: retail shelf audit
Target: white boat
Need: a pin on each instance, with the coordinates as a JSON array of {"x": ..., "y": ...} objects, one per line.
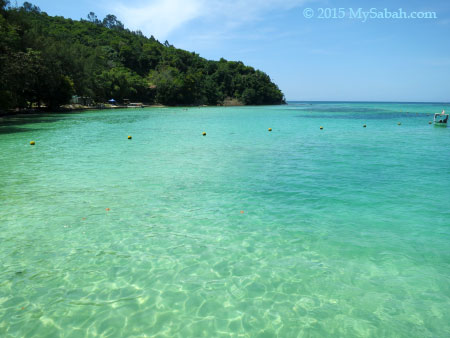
[{"x": 441, "y": 119}]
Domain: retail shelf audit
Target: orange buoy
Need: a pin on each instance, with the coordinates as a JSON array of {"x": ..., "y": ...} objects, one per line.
[
  {"x": 32, "y": 143},
  {"x": 204, "y": 134}
]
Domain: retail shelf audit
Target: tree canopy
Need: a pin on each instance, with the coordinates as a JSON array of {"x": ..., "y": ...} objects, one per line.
[{"x": 46, "y": 60}]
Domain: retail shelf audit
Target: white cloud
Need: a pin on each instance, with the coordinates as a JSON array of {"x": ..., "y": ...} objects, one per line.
[
  {"x": 158, "y": 17},
  {"x": 162, "y": 17}
]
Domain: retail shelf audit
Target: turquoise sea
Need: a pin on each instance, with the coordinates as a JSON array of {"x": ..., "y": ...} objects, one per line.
[{"x": 297, "y": 232}]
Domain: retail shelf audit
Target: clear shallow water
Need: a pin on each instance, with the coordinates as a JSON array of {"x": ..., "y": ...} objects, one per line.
[{"x": 344, "y": 232}]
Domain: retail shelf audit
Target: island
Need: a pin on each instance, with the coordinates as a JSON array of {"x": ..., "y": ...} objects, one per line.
[{"x": 46, "y": 61}]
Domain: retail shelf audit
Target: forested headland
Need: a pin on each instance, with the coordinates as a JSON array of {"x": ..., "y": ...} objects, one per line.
[{"x": 45, "y": 60}]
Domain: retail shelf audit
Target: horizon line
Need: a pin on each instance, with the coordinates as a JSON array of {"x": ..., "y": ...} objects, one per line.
[{"x": 364, "y": 101}]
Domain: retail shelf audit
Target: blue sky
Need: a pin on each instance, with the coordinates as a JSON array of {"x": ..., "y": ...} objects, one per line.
[{"x": 309, "y": 58}]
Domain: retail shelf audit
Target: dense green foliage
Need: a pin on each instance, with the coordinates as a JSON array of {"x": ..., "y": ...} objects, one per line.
[{"x": 46, "y": 60}]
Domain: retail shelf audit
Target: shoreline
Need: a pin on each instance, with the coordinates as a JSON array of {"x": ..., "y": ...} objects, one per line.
[
  {"x": 69, "y": 109},
  {"x": 75, "y": 107}
]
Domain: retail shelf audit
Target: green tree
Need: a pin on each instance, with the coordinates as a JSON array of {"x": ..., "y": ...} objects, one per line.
[
  {"x": 111, "y": 22},
  {"x": 45, "y": 59},
  {"x": 93, "y": 18}
]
